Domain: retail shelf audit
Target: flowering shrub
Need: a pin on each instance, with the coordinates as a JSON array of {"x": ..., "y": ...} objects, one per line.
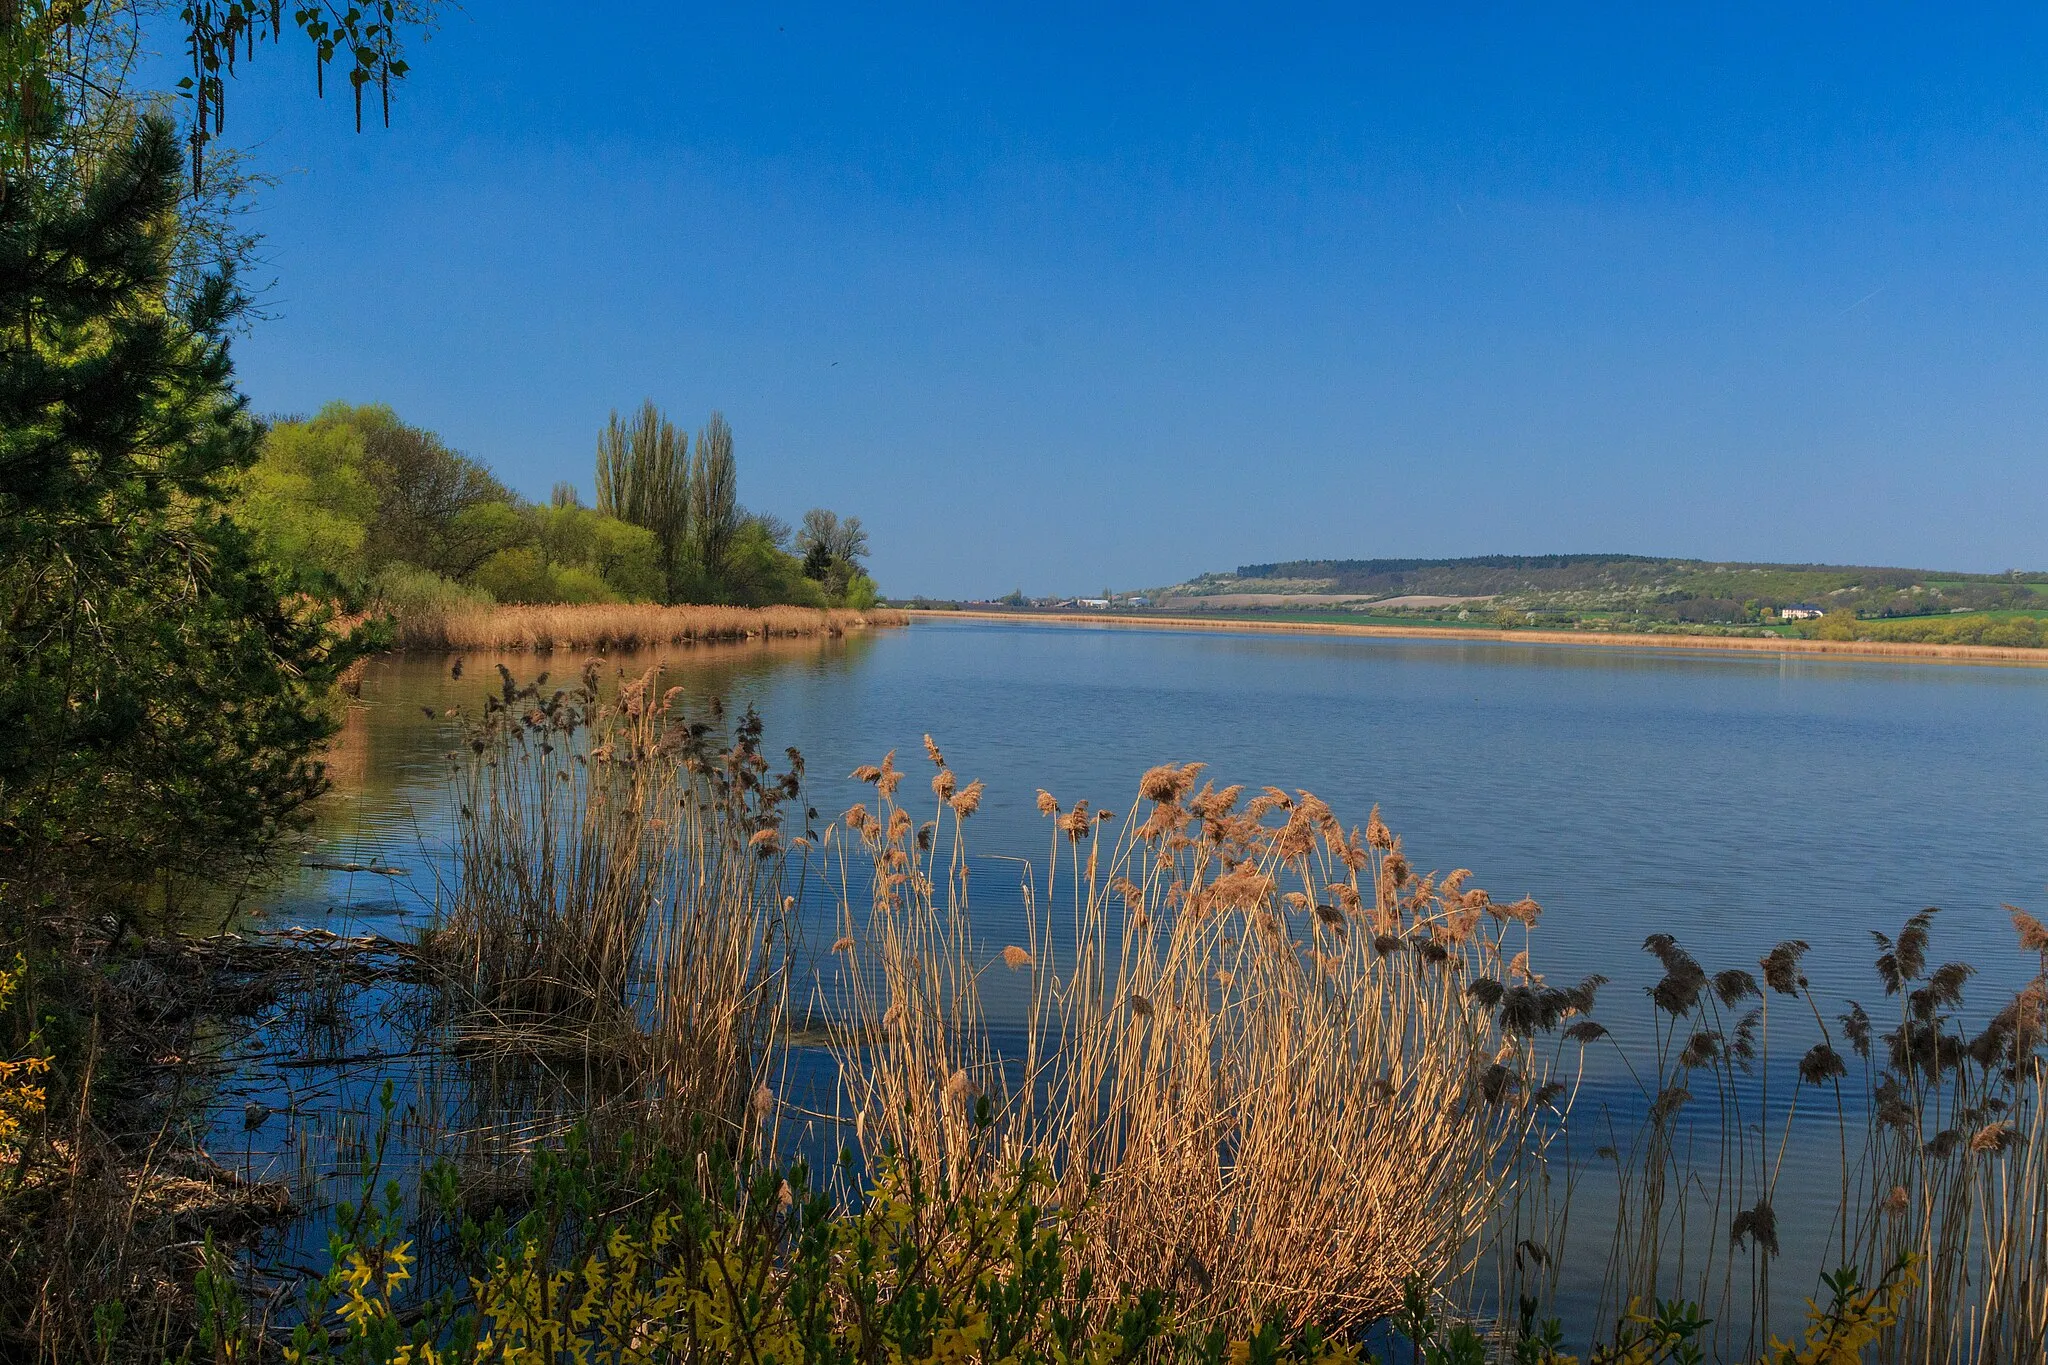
[
  {"x": 625, "y": 1267},
  {"x": 21, "y": 1098},
  {"x": 1855, "y": 1317}
]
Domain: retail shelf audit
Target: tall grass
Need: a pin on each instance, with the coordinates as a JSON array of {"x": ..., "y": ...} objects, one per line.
[
  {"x": 1935, "y": 1126},
  {"x": 619, "y": 890},
  {"x": 1958, "y": 1153},
  {"x": 1290, "y": 1069},
  {"x": 1265, "y": 1062},
  {"x": 461, "y": 626}
]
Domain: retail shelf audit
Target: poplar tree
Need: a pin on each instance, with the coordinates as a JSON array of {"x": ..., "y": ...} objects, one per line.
[
  {"x": 714, "y": 498},
  {"x": 643, "y": 477}
]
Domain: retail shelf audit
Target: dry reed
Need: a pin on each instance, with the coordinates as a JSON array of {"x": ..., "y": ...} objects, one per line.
[
  {"x": 1956, "y": 1167},
  {"x": 620, "y": 892},
  {"x": 1272, "y": 1065},
  {"x": 1266, "y": 1062},
  {"x": 1940, "y": 1136},
  {"x": 619, "y": 626}
]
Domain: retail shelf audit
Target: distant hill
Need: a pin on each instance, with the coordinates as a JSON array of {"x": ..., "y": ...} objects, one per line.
[
  {"x": 1635, "y": 588},
  {"x": 1479, "y": 574}
]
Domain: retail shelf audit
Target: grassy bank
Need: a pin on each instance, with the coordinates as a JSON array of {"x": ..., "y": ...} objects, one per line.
[
  {"x": 620, "y": 627},
  {"x": 1879, "y": 649}
]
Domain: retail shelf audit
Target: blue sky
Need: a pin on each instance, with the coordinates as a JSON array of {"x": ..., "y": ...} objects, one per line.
[{"x": 1059, "y": 298}]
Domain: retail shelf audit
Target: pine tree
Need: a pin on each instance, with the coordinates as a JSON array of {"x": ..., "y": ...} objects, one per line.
[{"x": 163, "y": 704}]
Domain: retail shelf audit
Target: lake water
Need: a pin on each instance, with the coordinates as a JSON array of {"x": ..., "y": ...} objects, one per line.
[{"x": 1733, "y": 800}]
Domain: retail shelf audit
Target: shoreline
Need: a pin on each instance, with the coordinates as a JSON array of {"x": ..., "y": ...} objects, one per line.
[
  {"x": 513, "y": 628},
  {"x": 1896, "y": 651}
]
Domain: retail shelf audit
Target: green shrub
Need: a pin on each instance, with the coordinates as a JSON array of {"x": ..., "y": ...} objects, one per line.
[
  {"x": 756, "y": 572},
  {"x": 658, "y": 1259},
  {"x": 861, "y": 593},
  {"x": 405, "y": 590},
  {"x": 309, "y": 502},
  {"x": 2014, "y": 632},
  {"x": 572, "y": 554},
  {"x": 578, "y": 584},
  {"x": 621, "y": 560}
]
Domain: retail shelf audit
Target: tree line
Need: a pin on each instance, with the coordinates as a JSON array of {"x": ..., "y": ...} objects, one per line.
[
  {"x": 355, "y": 505},
  {"x": 2010, "y": 632}
]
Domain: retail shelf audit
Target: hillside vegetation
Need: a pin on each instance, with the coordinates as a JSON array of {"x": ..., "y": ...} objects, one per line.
[{"x": 1614, "y": 590}]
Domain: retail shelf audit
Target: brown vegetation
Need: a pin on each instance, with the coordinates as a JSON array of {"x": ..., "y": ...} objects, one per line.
[
  {"x": 620, "y": 893},
  {"x": 1938, "y": 1134},
  {"x": 1238, "y": 975},
  {"x": 621, "y": 627},
  {"x": 106, "y": 1205},
  {"x": 1265, "y": 1062},
  {"x": 1258, "y": 1041}
]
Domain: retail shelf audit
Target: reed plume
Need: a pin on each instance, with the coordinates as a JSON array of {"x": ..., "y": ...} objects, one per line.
[
  {"x": 620, "y": 881},
  {"x": 620, "y": 626},
  {"x": 1938, "y": 1132},
  {"x": 1249, "y": 1105}
]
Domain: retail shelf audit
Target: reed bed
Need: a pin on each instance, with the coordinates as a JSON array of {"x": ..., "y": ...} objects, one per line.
[
  {"x": 1956, "y": 1167},
  {"x": 610, "y": 626},
  {"x": 1269, "y": 1064},
  {"x": 619, "y": 894},
  {"x": 1262, "y": 1061},
  {"x": 1936, "y": 1128}
]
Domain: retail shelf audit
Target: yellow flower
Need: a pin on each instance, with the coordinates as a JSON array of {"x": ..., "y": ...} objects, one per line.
[
  {"x": 1836, "y": 1335},
  {"x": 20, "y": 1101}
]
